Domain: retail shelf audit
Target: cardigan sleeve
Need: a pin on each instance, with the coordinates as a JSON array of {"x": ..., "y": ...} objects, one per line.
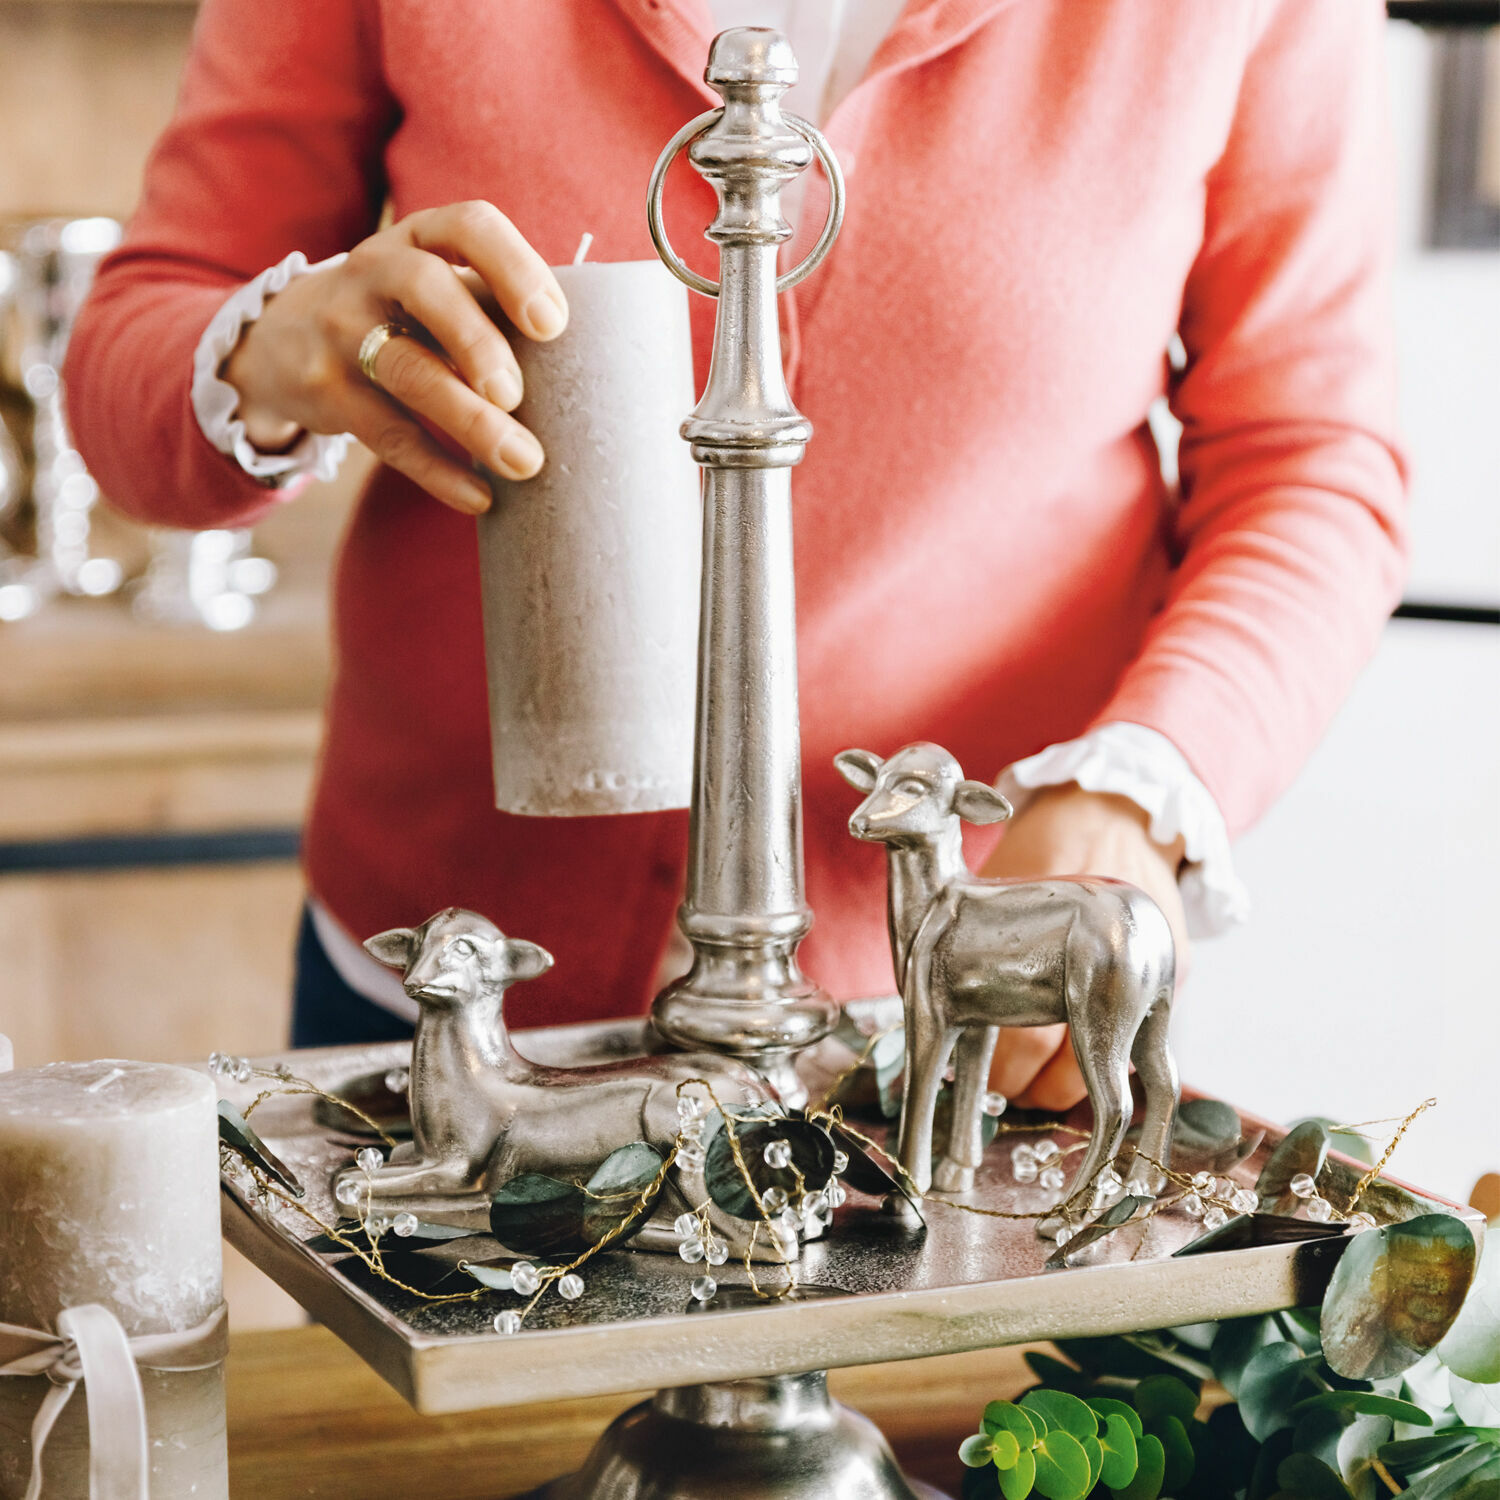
[
  {"x": 276, "y": 145},
  {"x": 1290, "y": 524}
]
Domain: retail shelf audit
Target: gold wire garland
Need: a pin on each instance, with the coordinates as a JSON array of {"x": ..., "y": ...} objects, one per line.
[{"x": 825, "y": 1114}]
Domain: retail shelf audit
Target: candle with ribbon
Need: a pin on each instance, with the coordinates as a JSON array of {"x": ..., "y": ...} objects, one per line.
[{"x": 111, "y": 1279}]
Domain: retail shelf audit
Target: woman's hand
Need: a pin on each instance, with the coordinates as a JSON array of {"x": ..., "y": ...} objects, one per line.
[
  {"x": 1068, "y": 831},
  {"x": 297, "y": 366}
]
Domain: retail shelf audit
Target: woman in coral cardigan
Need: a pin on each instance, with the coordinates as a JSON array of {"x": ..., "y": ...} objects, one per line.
[{"x": 1044, "y": 195}]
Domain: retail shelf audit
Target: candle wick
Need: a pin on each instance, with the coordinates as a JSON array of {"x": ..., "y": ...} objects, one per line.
[
  {"x": 99, "y": 1083},
  {"x": 583, "y": 249}
]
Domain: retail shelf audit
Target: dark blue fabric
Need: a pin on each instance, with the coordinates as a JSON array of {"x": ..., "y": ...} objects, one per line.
[{"x": 325, "y": 1011}]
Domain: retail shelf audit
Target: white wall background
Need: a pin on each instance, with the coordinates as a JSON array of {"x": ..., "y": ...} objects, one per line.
[{"x": 1369, "y": 976}]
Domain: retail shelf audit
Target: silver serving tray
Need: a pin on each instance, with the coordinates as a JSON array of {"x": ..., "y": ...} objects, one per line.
[{"x": 872, "y": 1290}]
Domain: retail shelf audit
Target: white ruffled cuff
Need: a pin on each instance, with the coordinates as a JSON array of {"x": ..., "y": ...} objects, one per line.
[
  {"x": 1130, "y": 760},
  {"x": 315, "y": 455}
]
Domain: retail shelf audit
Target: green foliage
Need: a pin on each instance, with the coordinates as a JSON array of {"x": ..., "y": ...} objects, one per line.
[
  {"x": 809, "y": 1168},
  {"x": 1119, "y": 1419},
  {"x": 1395, "y": 1293},
  {"x": 534, "y": 1214}
]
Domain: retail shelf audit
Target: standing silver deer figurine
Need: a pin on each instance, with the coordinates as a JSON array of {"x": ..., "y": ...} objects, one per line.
[
  {"x": 483, "y": 1114},
  {"x": 973, "y": 955}
]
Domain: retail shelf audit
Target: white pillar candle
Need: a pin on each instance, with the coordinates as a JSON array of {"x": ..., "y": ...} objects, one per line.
[
  {"x": 590, "y": 569},
  {"x": 109, "y": 1193},
  {"x": 7, "y": 1055}
]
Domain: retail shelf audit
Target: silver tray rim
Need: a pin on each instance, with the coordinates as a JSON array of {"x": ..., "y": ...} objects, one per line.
[{"x": 440, "y": 1374}]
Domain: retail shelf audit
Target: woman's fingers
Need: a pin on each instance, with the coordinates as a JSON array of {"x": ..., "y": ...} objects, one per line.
[
  {"x": 1023, "y": 1053},
  {"x": 400, "y": 442},
  {"x": 426, "y": 289},
  {"x": 477, "y": 234},
  {"x": 412, "y": 374}
]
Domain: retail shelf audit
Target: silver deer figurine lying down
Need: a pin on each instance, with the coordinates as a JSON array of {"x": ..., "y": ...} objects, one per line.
[
  {"x": 483, "y": 1114},
  {"x": 973, "y": 955}
]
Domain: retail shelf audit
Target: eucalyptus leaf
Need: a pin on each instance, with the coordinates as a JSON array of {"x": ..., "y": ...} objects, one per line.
[
  {"x": 812, "y": 1151},
  {"x": 1118, "y": 1447},
  {"x": 1207, "y": 1126},
  {"x": 1177, "y": 1447},
  {"x": 1477, "y": 1405},
  {"x": 865, "y": 1172},
  {"x": 1017, "y": 1482},
  {"x": 1235, "y": 1345},
  {"x": 1349, "y": 1142},
  {"x": 1310, "y": 1478},
  {"x": 1005, "y": 1450},
  {"x": 1395, "y": 1292},
  {"x": 1062, "y": 1413},
  {"x": 356, "y": 1233},
  {"x": 1095, "y": 1455},
  {"x": 618, "y": 1197},
  {"x": 1357, "y": 1446},
  {"x": 1317, "y": 1431},
  {"x": 888, "y": 1062},
  {"x": 1116, "y": 1216},
  {"x": 537, "y": 1215},
  {"x": 1471, "y": 1348},
  {"x": 976, "y": 1451},
  {"x": 1006, "y": 1416},
  {"x": 1150, "y": 1473},
  {"x": 1367, "y": 1403},
  {"x": 237, "y": 1133},
  {"x": 1105, "y": 1407},
  {"x": 1250, "y": 1231},
  {"x": 1304, "y": 1148},
  {"x": 1411, "y": 1454},
  {"x": 1269, "y": 1387},
  {"x": 1165, "y": 1396},
  {"x": 496, "y": 1278},
  {"x": 1062, "y": 1467},
  {"x": 1473, "y": 1475}
]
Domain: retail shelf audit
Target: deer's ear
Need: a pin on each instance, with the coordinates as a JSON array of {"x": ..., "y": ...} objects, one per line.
[
  {"x": 525, "y": 960},
  {"x": 975, "y": 802},
  {"x": 394, "y": 948},
  {"x": 859, "y": 768}
]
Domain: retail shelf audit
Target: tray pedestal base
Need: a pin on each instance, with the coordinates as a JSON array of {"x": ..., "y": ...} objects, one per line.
[{"x": 781, "y": 1436}]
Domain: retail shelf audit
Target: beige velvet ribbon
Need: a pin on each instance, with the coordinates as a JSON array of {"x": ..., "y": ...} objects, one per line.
[{"x": 90, "y": 1346}]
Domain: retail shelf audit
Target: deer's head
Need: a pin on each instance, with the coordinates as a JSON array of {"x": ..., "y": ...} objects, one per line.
[
  {"x": 916, "y": 795},
  {"x": 456, "y": 958}
]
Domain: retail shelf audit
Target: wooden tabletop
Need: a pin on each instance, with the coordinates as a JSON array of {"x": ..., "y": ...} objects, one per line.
[{"x": 307, "y": 1417}]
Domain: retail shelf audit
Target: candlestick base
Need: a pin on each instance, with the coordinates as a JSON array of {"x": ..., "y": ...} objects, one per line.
[
  {"x": 782, "y": 1435},
  {"x": 753, "y": 1003}
]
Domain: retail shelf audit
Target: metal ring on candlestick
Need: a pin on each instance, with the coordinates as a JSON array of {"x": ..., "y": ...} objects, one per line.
[{"x": 674, "y": 262}]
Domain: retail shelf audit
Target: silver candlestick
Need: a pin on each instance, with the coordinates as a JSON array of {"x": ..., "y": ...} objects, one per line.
[{"x": 744, "y": 911}]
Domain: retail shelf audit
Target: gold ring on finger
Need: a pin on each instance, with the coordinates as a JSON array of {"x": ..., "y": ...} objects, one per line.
[{"x": 373, "y": 342}]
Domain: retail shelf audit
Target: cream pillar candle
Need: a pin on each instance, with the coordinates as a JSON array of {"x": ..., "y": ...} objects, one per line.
[
  {"x": 109, "y": 1193},
  {"x": 590, "y": 570}
]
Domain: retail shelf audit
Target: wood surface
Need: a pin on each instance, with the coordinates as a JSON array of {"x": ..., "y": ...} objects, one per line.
[{"x": 308, "y": 1418}]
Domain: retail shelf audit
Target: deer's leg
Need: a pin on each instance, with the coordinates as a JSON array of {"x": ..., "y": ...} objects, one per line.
[
  {"x": 1101, "y": 1045},
  {"x": 976, "y": 1049},
  {"x": 1154, "y": 1065},
  {"x": 928, "y": 1044}
]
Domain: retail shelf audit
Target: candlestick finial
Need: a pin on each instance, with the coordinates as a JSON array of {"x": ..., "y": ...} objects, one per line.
[{"x": 744, "y": 911}]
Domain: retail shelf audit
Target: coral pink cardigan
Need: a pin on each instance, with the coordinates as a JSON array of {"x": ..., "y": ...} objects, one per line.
[{"x": 1041, "y": 192}]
